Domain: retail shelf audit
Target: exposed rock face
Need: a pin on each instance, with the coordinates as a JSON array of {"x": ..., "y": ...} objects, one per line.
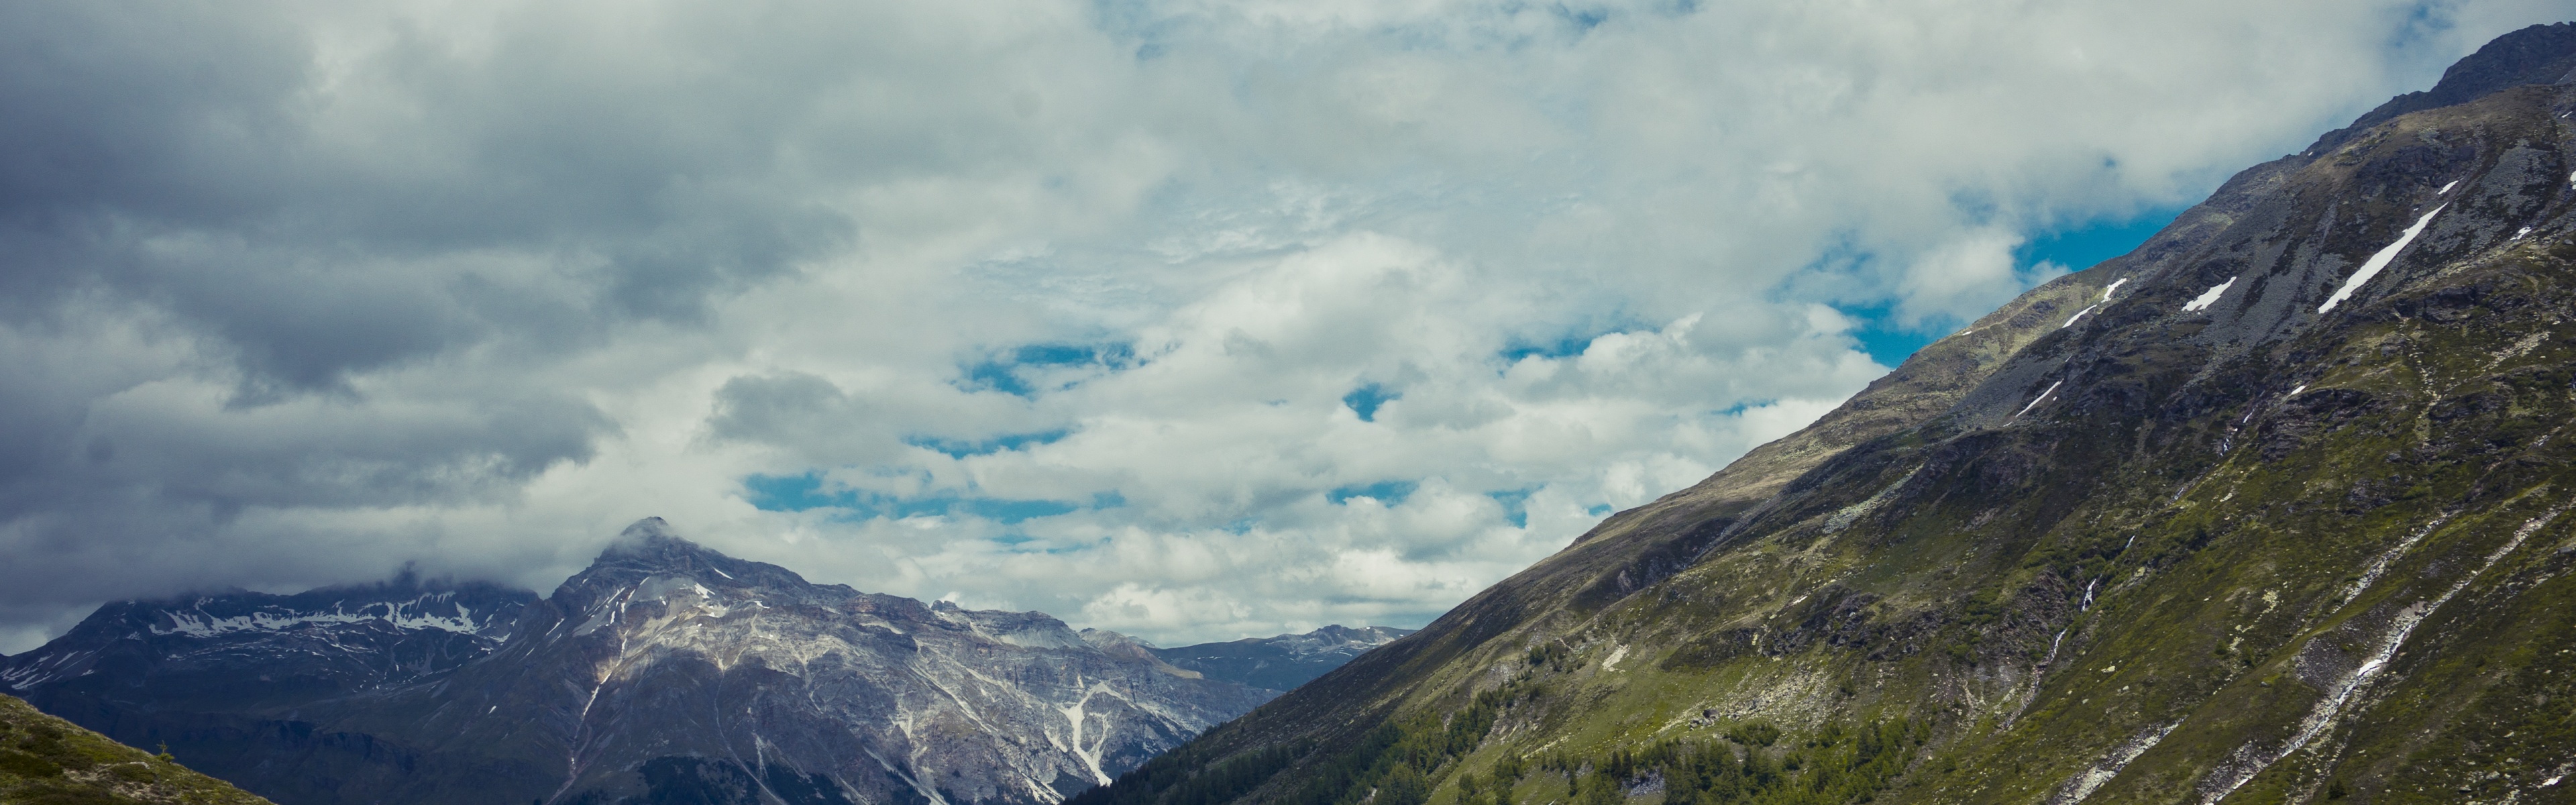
[
  {"x": 1280, "y": 663},
  {"x": 2275, "y": 508},
  {"x": 664, "y": 673}
]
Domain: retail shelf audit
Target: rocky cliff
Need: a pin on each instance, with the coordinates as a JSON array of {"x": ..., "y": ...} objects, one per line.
[{"x": 2272, "y": 509}]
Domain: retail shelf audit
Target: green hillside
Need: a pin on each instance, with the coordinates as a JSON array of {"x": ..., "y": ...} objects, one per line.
[{"x": 48, "y": 761}]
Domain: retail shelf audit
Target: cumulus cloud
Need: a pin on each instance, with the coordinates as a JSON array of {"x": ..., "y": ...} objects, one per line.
[{"x": 1187, "y": 318}]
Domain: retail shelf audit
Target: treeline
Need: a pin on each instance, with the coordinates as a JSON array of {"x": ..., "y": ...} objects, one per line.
[
  {"x": 1392, "y": 764},
  {"x": 1836, "y": 765},
  {"x": 1185, "y": 777},
  {"x": 1395, "y": 763}
]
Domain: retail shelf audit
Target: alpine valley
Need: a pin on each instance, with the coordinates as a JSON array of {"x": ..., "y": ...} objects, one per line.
[
  {"x": 664, "y": 673},
  {"x": 2273, "y": 509}
]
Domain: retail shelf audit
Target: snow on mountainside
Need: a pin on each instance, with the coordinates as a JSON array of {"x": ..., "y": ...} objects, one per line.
[
  {"x": 328, "y": 640},
  {"x": 665, "y": 672}
]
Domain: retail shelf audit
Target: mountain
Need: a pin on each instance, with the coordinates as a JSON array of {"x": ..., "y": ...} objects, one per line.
[
  {"x": 663, "y": 673},
  {"x": 44, "y": 759},
  {"x": 2271, "y": 509},
  {"x": 247, "y": 650},
  {"x": 1280, "y": 663}
]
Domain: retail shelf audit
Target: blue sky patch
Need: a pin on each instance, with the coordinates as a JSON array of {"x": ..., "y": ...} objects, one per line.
[
  {"x": 1365, "y": 400},
  {"x": 1878, "y": 334},
  {"x": 2077, "y": 249},
  {"x": 1001, "y": 371},
  {"x": 1115, "y": 356},
  {"x": 790, "y": 493},
  {"x": 1739, "y": 408},
  {"x": 1009, "y": 511},
  {"x": 1572, "y": 343},
  {"x": 992, "y": 375},
  {"x": 1515, "y": 504},
  {"x": 1388, "y": 493},
  {"x": 1566, "y": 347},
  {"x": 796, "y": 493},
  {"x": 961, "y": 448},
  {"x": 2081, "y": 247}
]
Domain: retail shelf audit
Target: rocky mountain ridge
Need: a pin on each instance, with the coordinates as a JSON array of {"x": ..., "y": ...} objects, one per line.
[
  {"x": 665, "y": 672},
  {"x": 320, "y": 643},
  {"x": 2271, "y": 509},
  {"x": 1282, "y": 662}
]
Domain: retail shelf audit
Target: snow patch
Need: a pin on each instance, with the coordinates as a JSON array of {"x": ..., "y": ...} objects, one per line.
[
  {"x": 2378, "y": 261},
  {"x": 2208, "y": 297},
  {"x": 1090, "y": 755},
  {"x": 2302, "y": 387},
  {"x": 2519, "y": 235},
  {"x": 2112, "y": 288},
  {"x": 1616, "y": 654},
  {"x": 2034, "y": 401},
  {"x": 2070, "y": 320},
  {"x": 33, "y": 674},
  {"x": 400, "y": 614},
  {"x": 2447, "y": 188}
]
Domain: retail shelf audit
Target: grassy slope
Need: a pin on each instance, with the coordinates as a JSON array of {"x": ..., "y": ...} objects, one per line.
[
  {"x": 1929, "y": 566},
  {"x": 48, "y": 761}
]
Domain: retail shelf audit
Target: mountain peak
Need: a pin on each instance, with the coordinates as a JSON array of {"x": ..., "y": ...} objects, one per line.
[
  {"x": 651, "y": 543},
  {"x": 2539, "y": 54},
  {"x": 649, "y": 537}
]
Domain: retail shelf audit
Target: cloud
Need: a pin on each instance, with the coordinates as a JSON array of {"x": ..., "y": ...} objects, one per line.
[{"x": 1192, "y": 318}]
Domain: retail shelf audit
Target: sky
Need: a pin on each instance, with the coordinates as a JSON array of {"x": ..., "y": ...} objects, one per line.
[{"x": 1188, "y": 319}]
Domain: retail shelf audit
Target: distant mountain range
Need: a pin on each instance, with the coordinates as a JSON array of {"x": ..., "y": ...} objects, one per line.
[
  {"x": 664, "y": 673},
  {"x": 1280, "y": 663}
]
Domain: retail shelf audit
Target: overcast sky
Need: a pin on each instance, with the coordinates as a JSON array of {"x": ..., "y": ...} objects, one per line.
[{"x": 1184, "y": 318}]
